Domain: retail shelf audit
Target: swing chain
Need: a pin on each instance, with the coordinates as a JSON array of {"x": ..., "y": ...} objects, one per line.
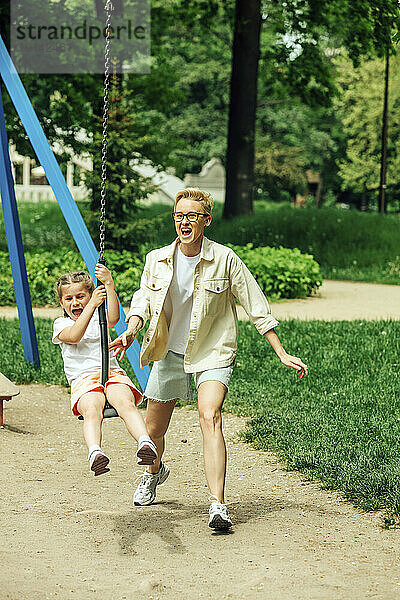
[{"x": 109, "y": 8}]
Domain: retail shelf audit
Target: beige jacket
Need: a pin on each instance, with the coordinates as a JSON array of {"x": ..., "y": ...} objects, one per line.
[{"x": 218, "y": 278}]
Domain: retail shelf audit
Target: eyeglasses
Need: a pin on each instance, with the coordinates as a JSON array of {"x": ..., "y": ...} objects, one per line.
[{"x": 192, "y": 217}]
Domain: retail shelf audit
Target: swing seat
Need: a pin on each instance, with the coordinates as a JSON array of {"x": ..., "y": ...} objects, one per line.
[{"x": 108, "y": 412}]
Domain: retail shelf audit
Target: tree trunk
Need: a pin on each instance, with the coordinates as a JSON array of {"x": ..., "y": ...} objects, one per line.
[
  {"x": 382, "y": 182},
  {"x": 242, "y": 109},
  {"x": 318, "y": 192}
]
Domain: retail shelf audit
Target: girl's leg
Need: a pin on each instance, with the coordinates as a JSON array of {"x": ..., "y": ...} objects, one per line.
[
  {"x": 120, "y": 396},
  {"x": 91, "y": 406},
  {"x": 158, "y": 417},
  {"x": 211, "y": 396}
]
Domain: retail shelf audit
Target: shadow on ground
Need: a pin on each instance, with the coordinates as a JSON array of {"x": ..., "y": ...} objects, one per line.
[{"x": 166, "y": 520}]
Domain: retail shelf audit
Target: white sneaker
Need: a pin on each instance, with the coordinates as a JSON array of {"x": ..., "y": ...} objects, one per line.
[
  {"x": 219, "y": 518},
  {"x": 145, "y": 493}
]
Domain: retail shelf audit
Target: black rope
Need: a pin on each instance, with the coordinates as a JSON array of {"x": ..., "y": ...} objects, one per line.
[{"x": 109, "y": 411}]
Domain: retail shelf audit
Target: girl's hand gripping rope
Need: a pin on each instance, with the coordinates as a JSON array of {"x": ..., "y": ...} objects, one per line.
[{"x": 98, "y": 296}]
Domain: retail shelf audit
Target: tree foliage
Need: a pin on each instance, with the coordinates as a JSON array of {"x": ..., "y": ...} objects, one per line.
[
  {"x": 177, "y": 115},
  {"x": 360, "y": 111}
]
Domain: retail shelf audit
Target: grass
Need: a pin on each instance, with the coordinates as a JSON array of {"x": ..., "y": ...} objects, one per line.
[
  {"x": 42, "y": 225},
  {"x": 13, "y": 365},
  {"x": 341, "y": 425},
  {"x": 346, "y": 243}
]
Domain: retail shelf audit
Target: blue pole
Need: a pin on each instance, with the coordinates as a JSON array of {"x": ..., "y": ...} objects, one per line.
[
  {"x": 16, "y": 249},
  {"x": 55, "y": 178}
]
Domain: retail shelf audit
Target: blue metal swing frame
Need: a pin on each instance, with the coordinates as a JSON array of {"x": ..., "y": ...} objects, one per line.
[{"x": 76, "y": 224}]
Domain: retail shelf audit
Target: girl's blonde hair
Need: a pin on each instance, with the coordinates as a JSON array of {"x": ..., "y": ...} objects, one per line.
[
  {"x": 74, "y": 277},
  {"x": 204, "y": 198}
]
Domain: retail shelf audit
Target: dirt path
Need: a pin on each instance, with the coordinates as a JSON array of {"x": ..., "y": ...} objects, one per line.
[
  {"x": 66, "y": 534},
  {"x": 335, "y": 300},
  {"x": 344, "y": 300},
  {"x": 69, "y": 535}
]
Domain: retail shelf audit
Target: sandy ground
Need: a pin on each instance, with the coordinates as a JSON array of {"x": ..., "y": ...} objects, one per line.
[
  {"x": 68, "y": 535},
  {"x": 335, "y": 300}
]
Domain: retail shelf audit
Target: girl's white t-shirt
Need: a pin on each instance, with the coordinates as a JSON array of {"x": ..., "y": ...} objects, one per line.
[
  {"x": 179, "y": 301},
  {"x": 84, "y": 357}
]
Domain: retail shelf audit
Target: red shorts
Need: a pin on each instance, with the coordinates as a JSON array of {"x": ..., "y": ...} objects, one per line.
[{"x": 92, "y": 383}]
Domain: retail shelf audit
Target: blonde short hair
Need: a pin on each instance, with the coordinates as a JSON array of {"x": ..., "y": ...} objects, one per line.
[{"x": 204, "y": 198}]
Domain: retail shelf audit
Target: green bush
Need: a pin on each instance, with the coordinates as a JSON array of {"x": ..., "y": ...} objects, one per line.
[
  {"x": 347, "y": 244},
  {"x": 281, "y": 272},
  {"x": 44, "y": 268}
]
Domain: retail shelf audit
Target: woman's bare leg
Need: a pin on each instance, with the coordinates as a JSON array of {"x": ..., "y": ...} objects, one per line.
[
  {"x": 158, "y": 417},
  {"x": 211, "y": 396}
]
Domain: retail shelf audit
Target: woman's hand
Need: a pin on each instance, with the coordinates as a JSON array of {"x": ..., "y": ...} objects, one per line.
[
  {"x": 122, "y": 343},
  {"x": 295, "y": 363}
]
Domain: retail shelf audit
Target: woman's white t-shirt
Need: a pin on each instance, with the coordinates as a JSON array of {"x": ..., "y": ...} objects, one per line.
[
  {"x": 179, "y": 301},
  {"x": 84, "y": 357}
]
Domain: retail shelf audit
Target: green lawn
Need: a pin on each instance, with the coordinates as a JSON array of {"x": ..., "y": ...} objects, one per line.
[
  {"x": 42, "y": 225},
  {"x": 340, "y": 425}
]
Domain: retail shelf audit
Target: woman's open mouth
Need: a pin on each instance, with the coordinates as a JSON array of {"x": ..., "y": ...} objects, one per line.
[{"x": 186, "y": 232}]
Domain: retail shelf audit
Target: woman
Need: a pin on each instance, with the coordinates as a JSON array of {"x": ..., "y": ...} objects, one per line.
[{"x": 187, "y": 291}]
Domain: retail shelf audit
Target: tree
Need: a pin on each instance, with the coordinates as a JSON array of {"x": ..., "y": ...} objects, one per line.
[
  {"x": 360, "y": 108},
  {"x": 178, "y": 114},
  {"x": 383, "y": 169},
  {"x": 300, "y": 30},
  {"x": 242, "y": 108},
  {"x": 124, "y": 186},
  {"x": 291, "y": 138}
]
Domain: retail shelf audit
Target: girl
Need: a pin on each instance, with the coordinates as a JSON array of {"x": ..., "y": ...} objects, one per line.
[{"x": 78, "y": 334}]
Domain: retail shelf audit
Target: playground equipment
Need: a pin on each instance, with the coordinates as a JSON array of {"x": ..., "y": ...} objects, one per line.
[
  {"x": 46, "y": 158},
  {"x": 7, "y": 391},
  {"x": 109, "y": 411}
]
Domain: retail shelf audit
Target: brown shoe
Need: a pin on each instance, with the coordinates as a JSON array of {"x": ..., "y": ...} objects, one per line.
[
  {"x": 147, "y": 453},
  {"x": 98, "y": 462}
]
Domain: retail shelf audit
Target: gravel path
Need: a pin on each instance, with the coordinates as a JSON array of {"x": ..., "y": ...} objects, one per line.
[
  {"x": 335, "y": 300},
  {"x": 69, "y": 535},
  {"x": 66, "y": 534}
]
